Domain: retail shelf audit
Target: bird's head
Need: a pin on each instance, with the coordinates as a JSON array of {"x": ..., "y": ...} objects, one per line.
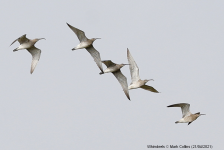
[
  {"x": 198, "y": 114},
  {"x": 145, "y": 81},
  {"x": 37, "y": 39},
  {"x": 122, "y": 65},
  {"x": 93, "y": 39}
]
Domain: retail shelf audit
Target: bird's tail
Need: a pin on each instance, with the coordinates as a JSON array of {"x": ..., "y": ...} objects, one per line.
[
  {"x": 15, "y": 50},
  {"x": 74, "y": 49}
]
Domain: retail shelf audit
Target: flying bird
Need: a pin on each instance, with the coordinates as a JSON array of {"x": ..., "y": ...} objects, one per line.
[
  {"x": 136, "y": 81},
  {"x": 87, "y": 44},
  {"x": 28, "y": 44},
  {"x": 115, "y": 69},
  {"x": 187, "y": 117}
]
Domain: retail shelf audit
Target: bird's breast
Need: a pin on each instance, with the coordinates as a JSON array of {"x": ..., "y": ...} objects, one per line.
[
  {"x": 83, "y": 45},
  {"x": 133, "y": 86},
  {"x": 111, "y": 69},
  {"x": 24, "y": 46}
]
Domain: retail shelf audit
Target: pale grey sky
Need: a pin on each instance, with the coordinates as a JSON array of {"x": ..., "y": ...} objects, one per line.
[{"x": 65, "y": 104}]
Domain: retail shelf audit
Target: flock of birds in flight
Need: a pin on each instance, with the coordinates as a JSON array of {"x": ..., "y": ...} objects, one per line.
[{"x": 112, "y": 67}]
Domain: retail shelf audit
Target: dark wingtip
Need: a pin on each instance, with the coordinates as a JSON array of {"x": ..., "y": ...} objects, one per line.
[
  {"x": 68, "y": 24},
  {"x": 101, "y": 73},
  {"x": 176, "y": 121},
  {"x": 127, "y": 50}
]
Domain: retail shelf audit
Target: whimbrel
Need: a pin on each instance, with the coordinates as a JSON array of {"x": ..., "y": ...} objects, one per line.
[
  {"x": 87, "y": 44},
  {"x": 28, "y": 44},
  {"x": 136, "y": 81},
  {"x": 187, "y": 117},
  {"x": 115, "y": 69}
]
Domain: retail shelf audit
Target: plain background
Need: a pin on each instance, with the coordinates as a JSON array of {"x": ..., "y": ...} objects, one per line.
[{"x": 65, "y": 104}]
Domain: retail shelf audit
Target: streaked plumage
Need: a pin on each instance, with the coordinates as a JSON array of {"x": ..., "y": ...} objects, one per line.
[
  {"x": 28, "y": 44},
  {"x": 187, "y": 117},
  {"x": 136, "y": 81},
  {"x": 115, "y": 69},
  {"x": 87, "y": 44}
]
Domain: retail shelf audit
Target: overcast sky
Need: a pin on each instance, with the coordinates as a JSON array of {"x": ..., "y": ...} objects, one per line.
[{"x": 66, "y": 105}]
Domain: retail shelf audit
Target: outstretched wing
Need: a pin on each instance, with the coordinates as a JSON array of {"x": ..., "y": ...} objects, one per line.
[
  {"x": 133, "y": 67},
  {"x": 108, "y": 63},
  {"x": 149, "y": 88},
  {"x": 185, "y": 107},
  {"x": 80, "y": 34},
  {"x": 35, "y": 52},
  {"x": 123, "y": 81},
  {"x": 21, "y": 39},
  {"x": 96, "y": 56}
]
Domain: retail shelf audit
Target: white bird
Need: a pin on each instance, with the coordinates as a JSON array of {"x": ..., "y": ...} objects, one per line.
[
  {"x": 28, "y": 44},
  {"x": 115, "y": 69},
  {"x": 87, "y": 44},
  {"x": 187, "y": 117},
  {"x": 136, "y": 81}
]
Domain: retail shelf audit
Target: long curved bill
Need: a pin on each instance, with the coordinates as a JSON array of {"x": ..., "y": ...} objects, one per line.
[{"x": 41, "y": 38}]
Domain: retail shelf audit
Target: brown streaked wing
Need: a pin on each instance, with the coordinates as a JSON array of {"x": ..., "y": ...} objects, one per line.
[
  {"x": 185, "y": 108},
  {"x": 123, "y": 81},
  {"x": 35, "y": 52},
  {"x": 96, "y": 56},
  {"x": 80, "y": 34},
  {"x": 133, "y": 67},
  {"x": 149, "y": 88},
  {"x": 108, "y": 63},
  {"x": 21, "y": 39}
]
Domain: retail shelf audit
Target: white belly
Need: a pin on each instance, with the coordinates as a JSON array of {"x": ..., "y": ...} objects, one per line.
[
  {"x": 110, "y": 69},
  {"x": 182, "y": 120},
  {"x": 83, "y": 45},
  {"x": 24, "y": 46},
  {"x": 134, "y": 86}
]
